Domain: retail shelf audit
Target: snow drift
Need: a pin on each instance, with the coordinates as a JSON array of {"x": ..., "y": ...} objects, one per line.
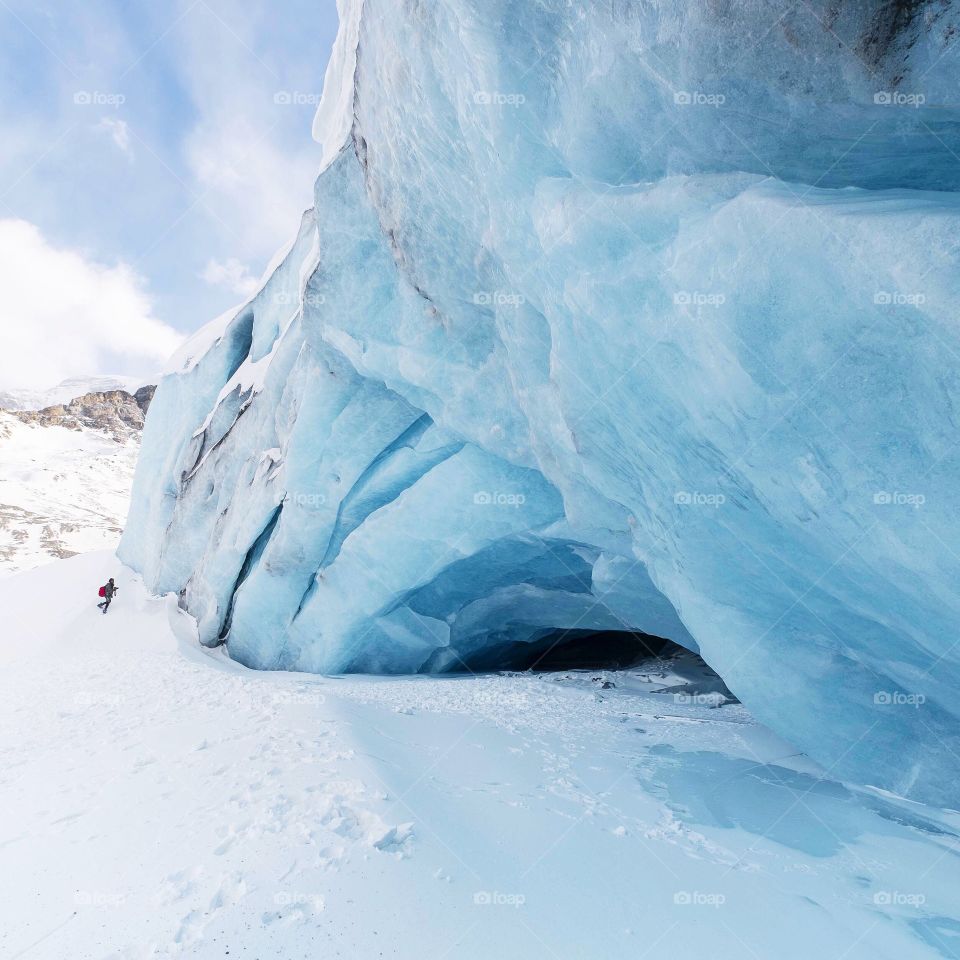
[{"x": 615, "y": 316}]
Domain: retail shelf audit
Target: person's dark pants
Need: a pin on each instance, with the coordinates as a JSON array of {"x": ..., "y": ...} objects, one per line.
[{"x": 105, "y": 604}]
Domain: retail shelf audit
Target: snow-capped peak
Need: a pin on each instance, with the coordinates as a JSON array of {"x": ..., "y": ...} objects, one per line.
[{"x": 70, "y": 389}]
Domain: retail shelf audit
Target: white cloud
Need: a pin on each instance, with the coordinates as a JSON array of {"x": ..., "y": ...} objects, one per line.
[
  {"x": 256, "y": 189},
  {"x": 250, "y": 157},
  {"x": 64, "y": 315},
  {"x": 232, "y": 274},
  {"x": 119, "y": 133}
]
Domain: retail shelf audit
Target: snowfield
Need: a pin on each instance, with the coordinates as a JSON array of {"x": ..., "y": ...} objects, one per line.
[
  {"x": 160, "y": 800},
  {"x": 62, "y": 491}
]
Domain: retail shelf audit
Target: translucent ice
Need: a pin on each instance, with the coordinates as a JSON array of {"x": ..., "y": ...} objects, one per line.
[{"x": 606, "y": 316}]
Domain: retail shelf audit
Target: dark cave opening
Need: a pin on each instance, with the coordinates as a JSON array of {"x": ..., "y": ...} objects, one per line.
[
  {"x": 573, "y": 650},
  {"x": 667, "y": 667}
]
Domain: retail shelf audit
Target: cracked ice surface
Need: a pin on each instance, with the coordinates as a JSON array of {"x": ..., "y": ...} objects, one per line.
[{"x": 637, "y": 317}]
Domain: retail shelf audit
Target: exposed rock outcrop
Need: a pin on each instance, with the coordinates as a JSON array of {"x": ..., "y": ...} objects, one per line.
[{"x": 115, "y": 411}]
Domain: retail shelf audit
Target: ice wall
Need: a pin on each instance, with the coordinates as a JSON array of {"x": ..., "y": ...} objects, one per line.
[{"x": 611, "y": 316}]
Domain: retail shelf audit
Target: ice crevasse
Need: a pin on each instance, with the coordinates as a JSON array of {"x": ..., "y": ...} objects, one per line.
[{"x": 606, "y": 316}]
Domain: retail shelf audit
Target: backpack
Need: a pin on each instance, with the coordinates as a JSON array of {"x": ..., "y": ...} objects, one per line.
[{"x": 103, "y": 591}]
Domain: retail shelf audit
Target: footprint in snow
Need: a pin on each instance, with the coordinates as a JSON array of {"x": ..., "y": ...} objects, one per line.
[
  {"x": 230, "y": 839},
  {"x": 395, "y": 839},
  {"x": 179, "y": 885},
  {"x": 232, "y": 889}
]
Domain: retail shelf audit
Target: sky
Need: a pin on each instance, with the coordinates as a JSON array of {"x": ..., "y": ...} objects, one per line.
[{"x": 156, "y": 154}]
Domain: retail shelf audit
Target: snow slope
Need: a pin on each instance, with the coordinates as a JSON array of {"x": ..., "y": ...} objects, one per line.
[
  {"x": 160, "y": 800},
  {"x": 62, "y": 491}
]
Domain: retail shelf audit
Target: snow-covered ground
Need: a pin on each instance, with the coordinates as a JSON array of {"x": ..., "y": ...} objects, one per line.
[
  {"x": 62, "y": 491},
  {"x": 159, "y": 800}
]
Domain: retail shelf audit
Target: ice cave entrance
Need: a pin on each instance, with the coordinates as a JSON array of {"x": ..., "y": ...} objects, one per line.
[{"x": 573, "y": 650}]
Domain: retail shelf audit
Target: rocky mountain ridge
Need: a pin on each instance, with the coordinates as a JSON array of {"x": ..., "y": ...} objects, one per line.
[
  {"x": 114, "y": 411},
  {"x": 25, "y": 398}
]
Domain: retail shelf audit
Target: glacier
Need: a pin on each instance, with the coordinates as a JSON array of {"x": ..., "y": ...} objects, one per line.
[{"x": 622, "y": 316}]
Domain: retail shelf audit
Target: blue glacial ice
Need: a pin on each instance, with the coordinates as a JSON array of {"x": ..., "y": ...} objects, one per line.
[{"x": 606, "y": 316}]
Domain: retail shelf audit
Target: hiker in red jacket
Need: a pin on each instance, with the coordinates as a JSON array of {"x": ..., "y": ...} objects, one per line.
[{"x": 107, "y": 591}]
